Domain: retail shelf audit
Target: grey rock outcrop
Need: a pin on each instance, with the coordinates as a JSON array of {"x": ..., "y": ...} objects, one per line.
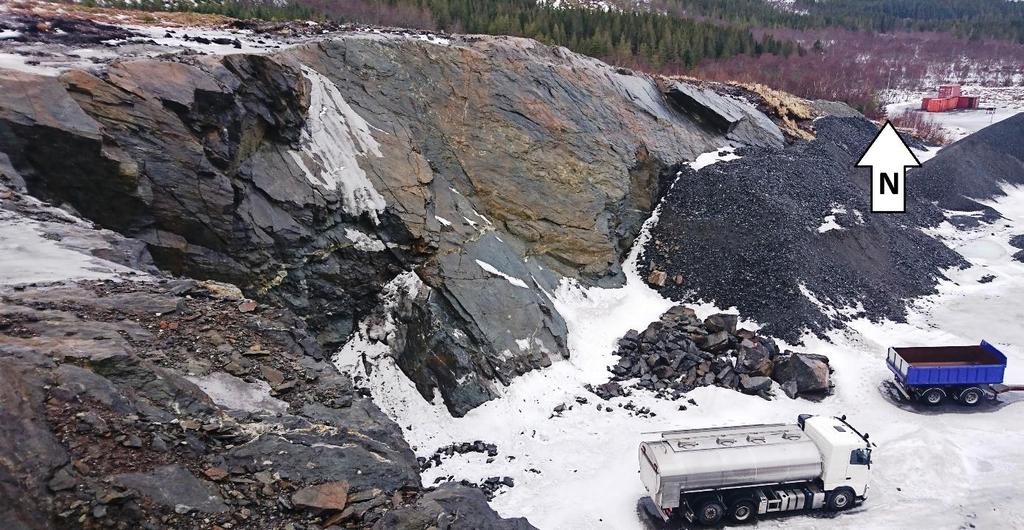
[
  {"x": 450, "y": 506},
  {"x": 150, "y": 401},
  {"x": 313, "y": 176},
  {"x": 737, "y": 119}
]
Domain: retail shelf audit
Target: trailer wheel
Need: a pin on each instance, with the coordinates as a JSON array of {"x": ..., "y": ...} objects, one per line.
[
  {"x": 970, "y": 396},
  {"x": 710, "y": 512},
  {"x": 742, "y": 510},
  {"x": 933, "y": 396},
  {"x": 840, "y": 499}
]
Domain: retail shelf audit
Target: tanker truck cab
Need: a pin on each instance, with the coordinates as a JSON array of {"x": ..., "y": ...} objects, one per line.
[
  {"x": 740, "y": 472},
  {"x": 845, "y": 454}
]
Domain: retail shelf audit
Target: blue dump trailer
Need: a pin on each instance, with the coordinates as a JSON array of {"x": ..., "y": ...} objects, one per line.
[{"x": 966, "y": 374}]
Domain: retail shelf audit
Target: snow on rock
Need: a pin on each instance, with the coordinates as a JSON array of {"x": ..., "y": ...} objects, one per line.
[
  {"x": 363, "y": 241},
  {"x": 333, "y": 139},
  {"x": 369, "y": 342},
  {"x": 33, "y": 251},
  {"x": 492, "y": 270},
  {"x": 231, "y": 392}
]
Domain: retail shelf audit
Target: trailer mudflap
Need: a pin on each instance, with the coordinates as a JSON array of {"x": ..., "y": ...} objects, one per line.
[
  {"x": 648, "y": 506},
  {"x": 902, "y": 391}
]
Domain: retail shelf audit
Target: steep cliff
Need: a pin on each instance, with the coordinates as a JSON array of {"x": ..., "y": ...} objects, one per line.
[{"x": 312, "y": 176}]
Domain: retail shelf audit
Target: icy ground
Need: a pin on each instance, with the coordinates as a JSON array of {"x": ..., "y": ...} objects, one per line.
[{"x": 934, "y": 468}]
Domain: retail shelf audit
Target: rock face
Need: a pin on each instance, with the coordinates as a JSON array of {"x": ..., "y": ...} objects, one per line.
[
  {"x": 786, "y": 236},
  {"x": 679, "y": 352},
  {"x": 151, "y": 402},
  {"x": 120, "y": 432},
  {"x": 734, "y": 118},
  {"x": 313, "y": 176}
]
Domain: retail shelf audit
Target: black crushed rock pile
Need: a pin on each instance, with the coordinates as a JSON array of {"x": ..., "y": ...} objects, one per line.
[
  {"x": 1018, "y": 242},
  {"x": 750, "y": 233},
  {"x": 973, "y": 168},
  {"x": 448, "y": 451},
  {"x": 679, "y": 352}
]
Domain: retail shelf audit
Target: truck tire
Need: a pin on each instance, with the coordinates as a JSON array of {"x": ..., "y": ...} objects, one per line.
[
  {"x": 710, "y": 512},
  {"x": 742, "y": 510},
  {"x": 840, "y": 499},
  {"x": 971, "y": 396},
  {"x": 933, "y": 396}
]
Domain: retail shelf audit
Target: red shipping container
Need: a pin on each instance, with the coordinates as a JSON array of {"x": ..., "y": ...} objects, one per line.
[{"x": 949, "y": 91}]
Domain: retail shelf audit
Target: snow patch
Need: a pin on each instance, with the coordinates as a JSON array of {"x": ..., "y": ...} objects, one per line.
[
  {"x": 333, "y": 139},
  {"x": 28, "y": 255},
  {"x": 511, "y": 279},
  {"x": 231, "y": 392},
  {"x": 706, "y": 159},
  {"x": 363, "y": 241}
]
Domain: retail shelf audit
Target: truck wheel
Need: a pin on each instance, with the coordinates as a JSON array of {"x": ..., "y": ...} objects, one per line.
[
  {"x": 933, "y": 396},
  {"x": 840, "y": 499},
  {"x": 742, "y": 510},
  {"x": 970, "y": 396},
  {"x": 710, "y": 512}
]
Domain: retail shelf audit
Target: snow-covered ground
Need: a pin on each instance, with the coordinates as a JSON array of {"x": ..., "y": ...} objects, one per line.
[
  {"x": 998, "y": 104},
  {"x": 937, "y": 469},
  {"x": 34, "y": 251}
]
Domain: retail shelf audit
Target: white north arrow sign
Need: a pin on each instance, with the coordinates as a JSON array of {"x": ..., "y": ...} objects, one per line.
[{"x": 889, "y": 158}]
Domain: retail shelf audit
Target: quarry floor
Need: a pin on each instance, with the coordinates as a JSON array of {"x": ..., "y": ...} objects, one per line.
[{"x": 946, "y": 467}]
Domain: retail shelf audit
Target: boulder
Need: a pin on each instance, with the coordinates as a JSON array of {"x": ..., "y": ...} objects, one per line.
[
  {"x": 721, "y": 322},
  {"x": 736, "y": 119},
  {"x": 174, "y": 485},
  {"x": 754, "y": 359},
  {"x": 716, "y": 341},
  {"x": 809, "y": 373},
  {"x": 326, "y": 496},
  {"x": 657, "y": 278},
  {"x": 755, "y": 384}
]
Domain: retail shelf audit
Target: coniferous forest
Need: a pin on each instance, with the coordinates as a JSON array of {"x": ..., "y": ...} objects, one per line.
[{"x": 808, "y": 47}]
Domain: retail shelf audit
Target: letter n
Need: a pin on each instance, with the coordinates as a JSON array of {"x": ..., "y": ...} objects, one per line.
[{"x": 893, "y": 184}]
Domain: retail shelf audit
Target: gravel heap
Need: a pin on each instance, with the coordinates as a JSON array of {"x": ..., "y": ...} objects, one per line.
[
  {"x": 975, "y": 167},
  {"x": 680, "y": 352},
  {"x": 785, "y": 235}
]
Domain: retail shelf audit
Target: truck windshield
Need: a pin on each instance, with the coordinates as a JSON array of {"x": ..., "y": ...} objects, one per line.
[{"x": 861, "y": 457}]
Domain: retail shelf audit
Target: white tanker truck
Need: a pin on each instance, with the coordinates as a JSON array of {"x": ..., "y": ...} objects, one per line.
[{"x": 742, "y": 472}]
